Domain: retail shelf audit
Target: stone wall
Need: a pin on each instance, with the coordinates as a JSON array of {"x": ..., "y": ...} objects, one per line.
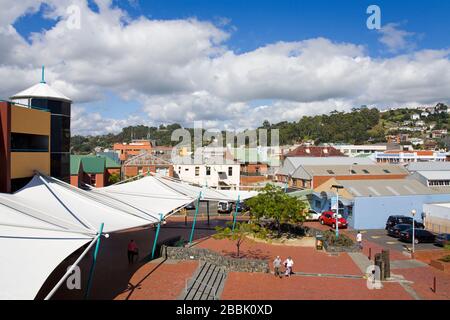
[{"x": 230, "y": 264}]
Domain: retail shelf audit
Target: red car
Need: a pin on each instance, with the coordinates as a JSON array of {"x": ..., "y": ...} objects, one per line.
[{"x": 328, "y": 218}]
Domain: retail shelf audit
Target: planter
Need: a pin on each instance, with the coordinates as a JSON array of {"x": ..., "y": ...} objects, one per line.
[{"x": 440, "y": 265}]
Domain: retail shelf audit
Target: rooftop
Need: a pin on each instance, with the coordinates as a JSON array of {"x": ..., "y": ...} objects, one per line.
[
  {"x": 315, "y": 151},
  {"x": 429, "y": 166},
  {"x": 41, "y": 90}
]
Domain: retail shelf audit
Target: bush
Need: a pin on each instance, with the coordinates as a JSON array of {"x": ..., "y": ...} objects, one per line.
[{"x": 341, "y": 241}]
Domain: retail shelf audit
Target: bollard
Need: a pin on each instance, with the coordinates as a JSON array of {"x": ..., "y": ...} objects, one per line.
[
  {"x": 387, "y": 263},
  {"x": 434, "y": 284},
  {"x": 370, "y": 253}
]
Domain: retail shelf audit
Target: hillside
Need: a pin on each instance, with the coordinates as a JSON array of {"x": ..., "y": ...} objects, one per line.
[{"x": 361, "y": 125}]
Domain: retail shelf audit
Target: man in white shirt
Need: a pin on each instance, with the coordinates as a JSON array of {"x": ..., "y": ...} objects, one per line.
[
  {"x": 359, "y": 240},
  {"x": 289, "y": 264}
]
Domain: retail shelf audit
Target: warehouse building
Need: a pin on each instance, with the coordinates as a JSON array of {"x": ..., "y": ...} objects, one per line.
[{"x": 367, "y": 204}]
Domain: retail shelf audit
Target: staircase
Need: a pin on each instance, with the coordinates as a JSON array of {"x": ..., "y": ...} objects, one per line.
[{"x": 206, "y": 284}]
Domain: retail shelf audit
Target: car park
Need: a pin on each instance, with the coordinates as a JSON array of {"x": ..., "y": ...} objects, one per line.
[
  {"x": 328, "y": 218},
  {"x": 397, "y": 229},
  {"x": 420, "y": 236},
  {"x": 399, "y": 219},
  {"x": 312, "y": 215},
  {"x": 442, "y": 239}
]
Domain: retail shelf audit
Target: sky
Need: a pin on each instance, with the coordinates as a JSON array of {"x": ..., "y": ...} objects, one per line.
[{"x": 231, "y": 64}]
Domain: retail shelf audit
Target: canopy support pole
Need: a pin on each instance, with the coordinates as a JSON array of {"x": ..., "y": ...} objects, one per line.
[
  {"x": 70, "y": 270},
  {"x": 235, "y": 212},
  {"x": 94, "y": 261},
  {"x": 156, "y": 235},
  {"x": 207, "y": 210},
  {"x": 195, "y": 218}
]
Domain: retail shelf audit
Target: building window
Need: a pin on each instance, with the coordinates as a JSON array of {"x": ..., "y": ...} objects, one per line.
[
  {"x": 208, "y": 171},
  {"x": 24, "y": 142},
  {"x": 197, "y": 171},
  {"x": 230, "y": 171},
  {"x": 366, "y": 171},
  {"x": 353, "y": 171},
  {"x": 386, "y": 171},
  {"x": 330, "y": 171}
]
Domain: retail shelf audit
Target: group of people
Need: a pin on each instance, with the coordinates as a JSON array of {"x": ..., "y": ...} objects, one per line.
[{"x": 288, "y": 266}]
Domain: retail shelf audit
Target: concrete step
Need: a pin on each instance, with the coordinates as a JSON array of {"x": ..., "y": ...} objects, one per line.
[{"x": 206, "y": 284}]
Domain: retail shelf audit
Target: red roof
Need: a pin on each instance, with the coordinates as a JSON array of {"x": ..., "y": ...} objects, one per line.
[{"x": 304, "y": 151}]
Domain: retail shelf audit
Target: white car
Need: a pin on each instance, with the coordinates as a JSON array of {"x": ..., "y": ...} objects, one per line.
[{"x": 313, "y": 215}]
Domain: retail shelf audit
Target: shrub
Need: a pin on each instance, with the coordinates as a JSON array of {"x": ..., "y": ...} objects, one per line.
[{"x": 341, "y": 241}]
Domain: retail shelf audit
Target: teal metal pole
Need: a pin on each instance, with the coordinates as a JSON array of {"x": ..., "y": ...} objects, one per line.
[
  {"x": 94, "y": 261},
  {"x": 195, "y": 218},
  {"x": 156, "y": 235},
  {"x": 43, "y": 75},
  {"x": 235, "y": 212}
]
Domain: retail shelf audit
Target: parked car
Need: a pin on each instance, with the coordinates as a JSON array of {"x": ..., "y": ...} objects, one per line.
[
  {"x": 224, "y": 207},
  {"x": 191, "y": 206},
  {"x": 420, "y": 235},
  {"x": 442, "y": 239},
  {"x": 312, "y": 215},
  {"x": 394, "y": 220},
  {"x": 241, "y": 206},
  {"x": 397, "y": 229},
  {"x": 328, "y": 218}
]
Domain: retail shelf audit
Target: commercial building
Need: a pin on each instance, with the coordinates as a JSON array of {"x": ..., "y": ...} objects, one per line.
[
  {"x": 357, "y": 150},
  {"x": 157, "y": 162},
  {"x": 24, "y": 144},
  {"x": 58, "y": 105},
  {"x": 437, "y": 217},
  {"x": 367, "y": 204},
  {"x": 410, "y": 156},
  {"x": 256, "y": 164},
  {"x": 218, "y": 172},
  {"x": 128, "y": 150}
]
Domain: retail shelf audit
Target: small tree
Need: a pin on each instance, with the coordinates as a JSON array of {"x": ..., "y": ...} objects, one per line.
[
  {"x": 241, "y": 230},
  {"x": 114, "y": 178},
  {"x": 273, "y": 203}
]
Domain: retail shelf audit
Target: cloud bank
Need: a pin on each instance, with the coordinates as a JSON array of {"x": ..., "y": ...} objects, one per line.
[{"x": 183, "y": 71}]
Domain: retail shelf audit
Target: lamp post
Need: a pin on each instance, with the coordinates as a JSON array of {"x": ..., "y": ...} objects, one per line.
[
  {"x": 337, "y": 187},
  {"x": 413, "y": 213}
]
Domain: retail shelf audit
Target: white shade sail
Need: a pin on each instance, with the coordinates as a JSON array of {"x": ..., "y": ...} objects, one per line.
[{"x": 147, "y": 194}]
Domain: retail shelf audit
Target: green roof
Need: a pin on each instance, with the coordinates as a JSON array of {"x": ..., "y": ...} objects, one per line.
[
  {"x": 75, "y": 162},
  {"x": 91, "y": 164}
]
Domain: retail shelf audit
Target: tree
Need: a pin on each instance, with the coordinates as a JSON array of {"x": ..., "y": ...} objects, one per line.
[
  {"x": 114, "y": 178},
  {"x": 241, "y": 231},
  {"x": 273, "y": 203}
]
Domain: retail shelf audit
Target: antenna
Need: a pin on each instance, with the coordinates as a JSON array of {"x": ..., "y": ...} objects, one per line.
[{"x": 43, "y": 75}]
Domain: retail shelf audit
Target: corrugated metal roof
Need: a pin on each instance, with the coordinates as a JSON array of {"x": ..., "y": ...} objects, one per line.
[
  {"x": 385, "y": 187},
  {"x": 435, "y": 175},
  {"x": 429, "y": 166},
  {"x": 299, "y": 161},
  {"x": 308, "y": 171}
]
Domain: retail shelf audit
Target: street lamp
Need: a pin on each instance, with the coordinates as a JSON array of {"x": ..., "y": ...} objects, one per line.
[
  {"x": 413, "y": 212},
  {"x": 337, "y": 187}
]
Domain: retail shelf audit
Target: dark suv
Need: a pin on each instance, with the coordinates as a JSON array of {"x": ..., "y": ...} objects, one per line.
[{"x": 392, "y": 221}]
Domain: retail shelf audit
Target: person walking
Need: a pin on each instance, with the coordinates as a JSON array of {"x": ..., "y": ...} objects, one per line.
[
  {"x": 289, "y": 264},
  {"x": 359, "y": 239},
  {"x": 132, "y": 251},
  {"x": 277, "y": 266}
]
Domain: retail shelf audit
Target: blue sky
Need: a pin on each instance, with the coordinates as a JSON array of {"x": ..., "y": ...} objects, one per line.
[
  {"x": 409, "y": 28},
  {"x": 259, "y": 22}
]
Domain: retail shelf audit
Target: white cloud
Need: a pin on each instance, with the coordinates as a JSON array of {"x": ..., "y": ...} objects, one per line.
[
  {"x": 396, "y": 39},
  {"x": 182, "y": 70}
]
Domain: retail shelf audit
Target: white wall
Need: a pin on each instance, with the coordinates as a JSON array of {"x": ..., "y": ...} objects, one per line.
[{"x": 186, "y": 172}]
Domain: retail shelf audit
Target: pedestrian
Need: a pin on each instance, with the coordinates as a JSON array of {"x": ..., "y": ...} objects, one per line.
[
  {"x": 289, "y": 264},
  {"x": 277, "y": 266},
  {"x": 132, "y": 251},
  {"x": 359, "y": 239}
]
